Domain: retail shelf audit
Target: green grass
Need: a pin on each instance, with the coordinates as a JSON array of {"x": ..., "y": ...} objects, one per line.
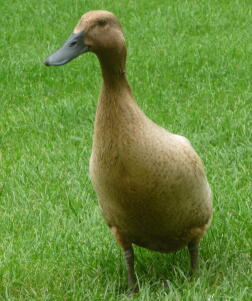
[{"x": 189, "y": 65}]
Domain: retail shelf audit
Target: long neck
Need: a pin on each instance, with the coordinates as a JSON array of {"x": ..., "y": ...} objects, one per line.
[
  {"x": 117, "y": 113},
  {"x": 116, "y": 103},
  {"x": 115, "y": 86}
]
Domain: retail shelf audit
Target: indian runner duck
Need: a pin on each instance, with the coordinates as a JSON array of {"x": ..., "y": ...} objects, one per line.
[{"x": 151, "y": 184}]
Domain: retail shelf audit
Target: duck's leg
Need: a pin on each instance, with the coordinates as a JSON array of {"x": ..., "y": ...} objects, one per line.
[
  {"x": 193, "y": 248},
  {"x": 126, "y": 245},
  {"x": 129, "y": 259}
]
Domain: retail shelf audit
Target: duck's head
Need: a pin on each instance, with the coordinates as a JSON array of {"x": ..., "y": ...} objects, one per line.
[{"x": 97, "y": 31}]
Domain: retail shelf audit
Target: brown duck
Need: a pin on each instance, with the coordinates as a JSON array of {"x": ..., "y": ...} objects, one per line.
[{"x": 151, "y": 184}]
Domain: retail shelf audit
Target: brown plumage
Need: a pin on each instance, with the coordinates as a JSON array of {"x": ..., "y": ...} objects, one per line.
[{"x": 150, "y": 183}]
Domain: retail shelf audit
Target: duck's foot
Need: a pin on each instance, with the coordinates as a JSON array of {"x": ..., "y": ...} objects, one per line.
[
  {"x": 133, "y": 291},
  {"x": 165, "y": 283}
]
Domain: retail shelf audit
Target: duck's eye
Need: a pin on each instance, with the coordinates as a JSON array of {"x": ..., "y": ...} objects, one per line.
[
  {"x": 102, "y": 22},
  {"x": 73, "y": 43}
]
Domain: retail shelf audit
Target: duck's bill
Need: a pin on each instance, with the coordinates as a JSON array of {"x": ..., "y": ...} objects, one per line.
[{"x": 73, "y": 47}]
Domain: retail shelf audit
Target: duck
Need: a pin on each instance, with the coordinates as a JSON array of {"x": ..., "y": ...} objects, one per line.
[{"x": 151, "y": 184}]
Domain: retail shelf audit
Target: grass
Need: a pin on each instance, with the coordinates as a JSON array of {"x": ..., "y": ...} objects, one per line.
[{"x": 189, "y": 65}]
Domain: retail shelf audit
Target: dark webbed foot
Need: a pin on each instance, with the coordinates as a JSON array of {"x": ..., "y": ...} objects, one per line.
[
  {"x": 193, "y": 248},
  {"x": 132, "y": 280}
]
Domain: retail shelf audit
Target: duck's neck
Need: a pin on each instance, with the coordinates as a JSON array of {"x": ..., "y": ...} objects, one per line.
[
  {"x": 117, "y": 109},
  {"x": 113, "y": 66},
  {"x": 116, "y": 104}
]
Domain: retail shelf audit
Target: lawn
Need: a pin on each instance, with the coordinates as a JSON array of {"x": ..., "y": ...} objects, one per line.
[{"x": 189, "y": 64}]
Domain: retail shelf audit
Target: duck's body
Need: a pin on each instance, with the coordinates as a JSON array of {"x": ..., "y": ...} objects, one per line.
[{"x": 150, "y": 183}]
